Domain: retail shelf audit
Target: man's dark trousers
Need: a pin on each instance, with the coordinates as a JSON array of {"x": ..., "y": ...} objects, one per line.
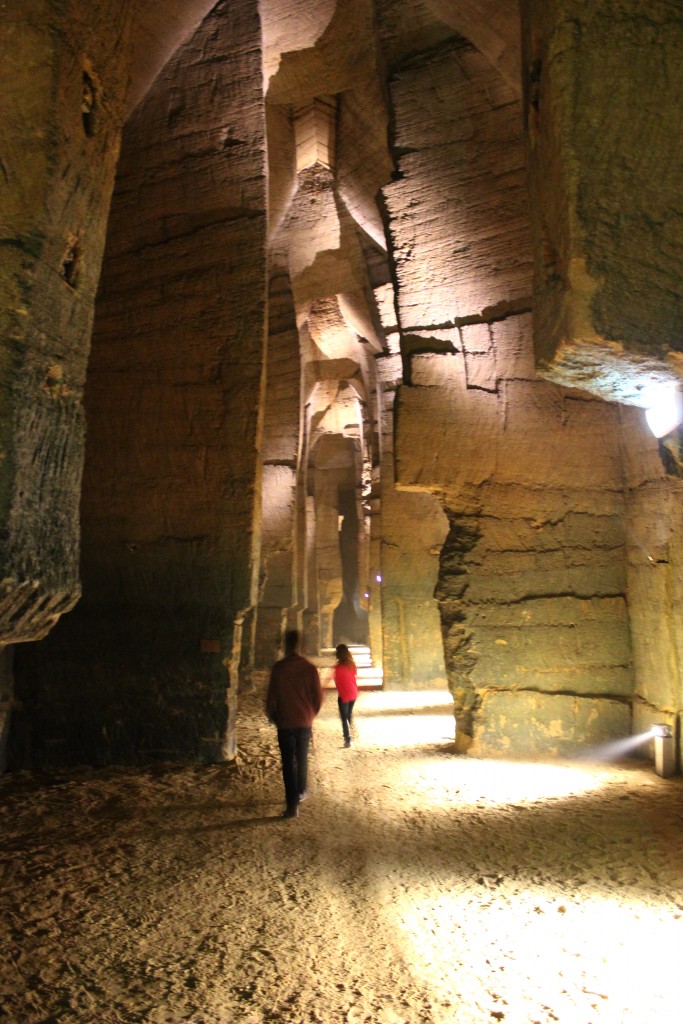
[{"x": 294, "y": 744}]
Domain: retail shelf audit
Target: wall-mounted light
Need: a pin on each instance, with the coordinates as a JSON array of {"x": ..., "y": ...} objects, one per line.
[
  {"x": 664, "y": 408},
  {"x": 378, "y": 577}
]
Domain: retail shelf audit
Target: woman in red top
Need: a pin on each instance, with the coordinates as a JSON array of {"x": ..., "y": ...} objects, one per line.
[{"x": 347, "y": 688}]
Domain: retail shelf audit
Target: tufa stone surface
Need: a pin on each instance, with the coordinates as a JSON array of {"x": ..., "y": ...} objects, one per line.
[
  {"x": 538, "y": 725},
  {"x": 58, "y": 165},
  {"x": 603, "y": 85},
  {"x": 148, "y": 664}
]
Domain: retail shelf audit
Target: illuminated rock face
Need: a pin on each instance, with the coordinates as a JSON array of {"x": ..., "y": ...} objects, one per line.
[
  {"x": 60, "y": 143},
  {"x": 531, "y": 585},
  {"x": 340, "y": 241},
  {"x": 547, "y": 726},
  {"x": 606, "y": 162},
  {"x": 173, "y": 398}
]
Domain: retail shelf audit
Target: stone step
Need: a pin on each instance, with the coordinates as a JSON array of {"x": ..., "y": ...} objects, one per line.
[
  {"x": 361, "y": 655},
  {"x": 369, "y": 676}
]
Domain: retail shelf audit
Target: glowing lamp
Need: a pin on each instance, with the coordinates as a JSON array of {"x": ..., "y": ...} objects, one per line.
[
  {"x": 378, "y": 577},
  {"x": 664, "y": 411},
  {"x": 665, "y": 750}
]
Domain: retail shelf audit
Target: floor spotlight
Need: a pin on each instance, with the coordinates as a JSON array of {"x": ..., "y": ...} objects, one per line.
[{"x": 665, "y": 750}]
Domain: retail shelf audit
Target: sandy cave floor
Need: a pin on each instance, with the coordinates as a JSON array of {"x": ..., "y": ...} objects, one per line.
[{"x": 416, "y": 887}]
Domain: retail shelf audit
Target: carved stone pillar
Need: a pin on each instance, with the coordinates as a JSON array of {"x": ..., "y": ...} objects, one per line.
[{"x": 64, "y": 81}]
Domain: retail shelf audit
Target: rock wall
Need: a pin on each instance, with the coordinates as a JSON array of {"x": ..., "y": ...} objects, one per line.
[
  {"x": 411, "y": 528},
  {"x": 603, "y": 88},
  {"x": 64, "y": 80},
  {"x": 456, "y": 123},
  {"x": 279, "y": 569},
  {"x": 531, "y": 585},
  {"x": 147, "y": 666},
  {"x": 654, "y": 533},
  {"x": 603, "y": 84},
  {"x": 323, "y": 222}
]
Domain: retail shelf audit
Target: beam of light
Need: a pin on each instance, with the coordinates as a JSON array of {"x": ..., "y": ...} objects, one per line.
[
  {"x": 663, "y": 408},
  {"x": 617, "y": 748}
]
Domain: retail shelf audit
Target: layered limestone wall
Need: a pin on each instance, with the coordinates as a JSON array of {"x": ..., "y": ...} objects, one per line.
[
  {"x": 280, "y": 576},
  {"x": 64, "y": 81},
  {"x": 411, "y": 529},
  {"x": 413, "y": 654},
  {"x": 146, "y": 667},
  {"x": 654, "y": 533},
  {"x": 531, "y": 586},
  {"x": 603, "y": 86},
  {"x": 456, "y": 126}
]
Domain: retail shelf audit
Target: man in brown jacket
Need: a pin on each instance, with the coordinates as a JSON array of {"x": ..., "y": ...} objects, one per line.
[{"x": 293, "y": 700}]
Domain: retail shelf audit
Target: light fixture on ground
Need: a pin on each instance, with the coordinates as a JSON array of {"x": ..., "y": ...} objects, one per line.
[{"x": 665, "y": 750}]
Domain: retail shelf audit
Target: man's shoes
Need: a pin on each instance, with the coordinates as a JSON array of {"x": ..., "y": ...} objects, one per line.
[
  {"x": 290, "y": 812},
  {"x": 347, "y": 743}
]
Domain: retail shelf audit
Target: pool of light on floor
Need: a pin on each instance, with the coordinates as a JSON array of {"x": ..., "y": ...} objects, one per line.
[
  {"x": 597, "y": 961},
  {"x": 405, "y": 719},
  {"x": 424, "y": 720},
  {"x": 521, "y": 947},
  {"x": 469, "y": 781}
]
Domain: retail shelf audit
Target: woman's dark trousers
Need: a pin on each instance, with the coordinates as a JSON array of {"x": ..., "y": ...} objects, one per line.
[
  {"x": 294, "y": 744},
  {"x": 346, "y": 714}
]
